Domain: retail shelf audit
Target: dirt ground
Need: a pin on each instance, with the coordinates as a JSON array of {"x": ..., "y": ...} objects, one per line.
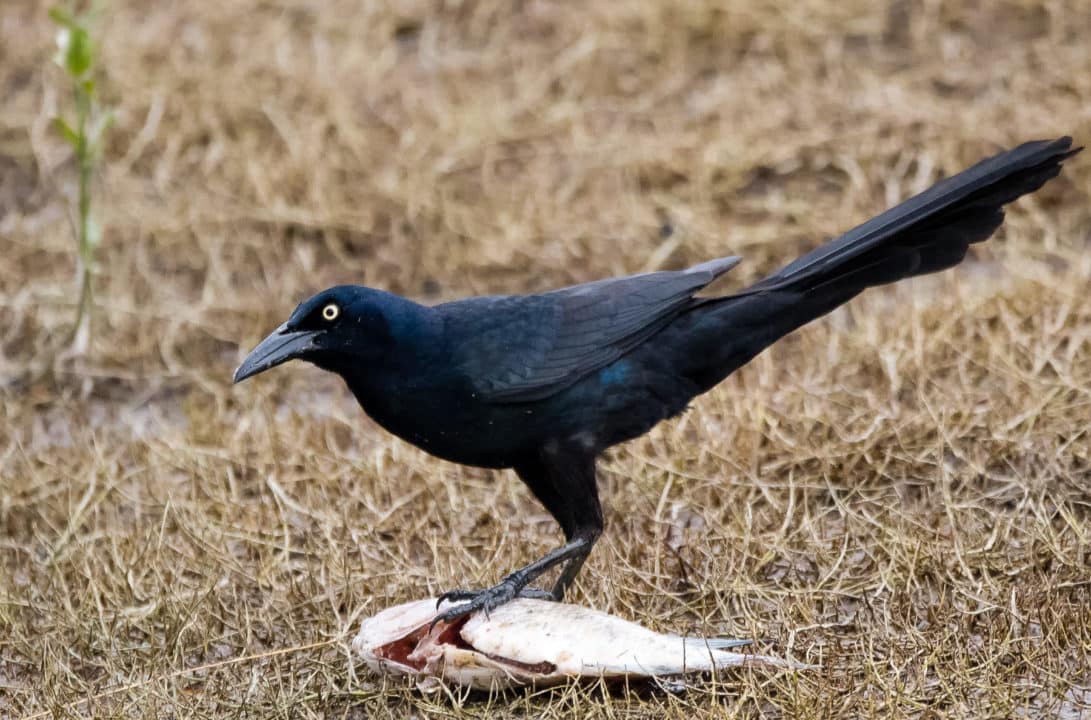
[{"x": 900, "y": 492}]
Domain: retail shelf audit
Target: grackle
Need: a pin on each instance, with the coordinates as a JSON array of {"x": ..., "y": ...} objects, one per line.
[{"x": 544, "y": 383}]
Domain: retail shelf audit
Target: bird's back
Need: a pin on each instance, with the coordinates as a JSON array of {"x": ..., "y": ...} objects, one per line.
[{"x": 523, "y": 348}]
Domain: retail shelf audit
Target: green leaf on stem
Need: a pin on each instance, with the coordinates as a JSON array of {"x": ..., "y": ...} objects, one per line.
[{"x": 66, "y": 131}]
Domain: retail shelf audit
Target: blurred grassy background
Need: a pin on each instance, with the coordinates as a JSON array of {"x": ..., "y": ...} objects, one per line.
[{"x": 899, "y": 492}]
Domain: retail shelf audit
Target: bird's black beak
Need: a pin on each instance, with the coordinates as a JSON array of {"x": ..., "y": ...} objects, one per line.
[{"x": 281, "y": 346}]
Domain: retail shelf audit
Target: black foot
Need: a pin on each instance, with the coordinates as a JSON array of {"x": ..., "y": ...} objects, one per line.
[
  {"x": 460, "y": 595},
  {"x": 487, "y": 599}
]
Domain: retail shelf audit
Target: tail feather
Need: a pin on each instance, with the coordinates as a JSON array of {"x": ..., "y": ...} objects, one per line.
[
  {"x": 927, "y": 233},
  {"x": 964, "y": 208}
]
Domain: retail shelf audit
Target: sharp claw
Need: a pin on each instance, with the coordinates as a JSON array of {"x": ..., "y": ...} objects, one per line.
[
  {"x": 457, "y": 595},
  {"x": 487, "y": 600},
  {"x": 450, "y": 614}
]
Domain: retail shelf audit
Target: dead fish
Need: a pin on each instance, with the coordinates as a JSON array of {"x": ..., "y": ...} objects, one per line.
[{"x": 534, "y": 642}]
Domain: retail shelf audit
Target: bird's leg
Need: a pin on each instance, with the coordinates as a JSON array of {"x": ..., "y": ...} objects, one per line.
[
  {"x": 562, "y": 476},
  {"x": 515, "y": 584},
  {"x": 568, "y": 574}
]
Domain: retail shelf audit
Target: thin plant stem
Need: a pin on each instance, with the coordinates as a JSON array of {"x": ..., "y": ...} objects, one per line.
[{"x": 85, "y": 161}]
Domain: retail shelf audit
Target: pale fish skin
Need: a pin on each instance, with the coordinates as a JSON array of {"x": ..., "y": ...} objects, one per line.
[{"x": 534, "y": 642}]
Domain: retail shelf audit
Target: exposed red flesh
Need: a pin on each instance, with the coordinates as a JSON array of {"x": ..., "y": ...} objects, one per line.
[
  {"x": 400, "y": 650},
  {"x": 449, "y": 634}
]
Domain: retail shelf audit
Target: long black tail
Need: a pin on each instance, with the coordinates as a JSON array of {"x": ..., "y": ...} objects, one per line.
[{"x": 927, "y": 233}]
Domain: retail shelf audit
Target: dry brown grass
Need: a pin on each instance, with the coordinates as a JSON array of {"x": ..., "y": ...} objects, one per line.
[{"x": 900, "y": 492}]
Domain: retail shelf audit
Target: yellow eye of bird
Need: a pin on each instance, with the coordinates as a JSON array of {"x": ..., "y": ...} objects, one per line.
[{"x": 330, "y": 312}]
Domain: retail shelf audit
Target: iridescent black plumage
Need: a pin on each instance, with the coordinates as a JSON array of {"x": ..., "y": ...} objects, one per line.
[{"x": 543, "y": 383}]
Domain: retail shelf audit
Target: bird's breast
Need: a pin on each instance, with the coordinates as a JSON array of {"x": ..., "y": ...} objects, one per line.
[{"x": 452, "y": 423}]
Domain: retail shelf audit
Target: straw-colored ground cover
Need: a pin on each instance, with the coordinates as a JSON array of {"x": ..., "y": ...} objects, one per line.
[{"x": 900, "y": 492}]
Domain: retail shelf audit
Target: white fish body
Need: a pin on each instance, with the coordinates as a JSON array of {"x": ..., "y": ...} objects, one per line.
[{"x": 533, "y": 642}]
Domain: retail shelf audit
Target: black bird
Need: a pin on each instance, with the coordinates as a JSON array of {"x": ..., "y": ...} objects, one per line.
[{"x": 544, "y": 383}]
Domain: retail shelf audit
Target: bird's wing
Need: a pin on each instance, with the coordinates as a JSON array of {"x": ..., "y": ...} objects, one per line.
[{"x": 520, "y": 348}]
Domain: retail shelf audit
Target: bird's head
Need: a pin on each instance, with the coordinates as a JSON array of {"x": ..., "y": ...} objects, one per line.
[{"x": 345, "y": 325}]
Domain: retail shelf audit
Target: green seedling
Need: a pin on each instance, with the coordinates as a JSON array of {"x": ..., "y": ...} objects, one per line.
[{"x": 85, "y": 132}]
